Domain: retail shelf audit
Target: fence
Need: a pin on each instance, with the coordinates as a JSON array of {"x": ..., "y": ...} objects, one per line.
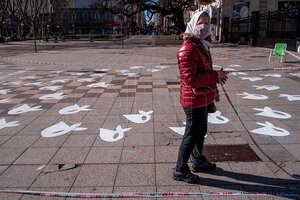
[{"x": 272, "y": 24}]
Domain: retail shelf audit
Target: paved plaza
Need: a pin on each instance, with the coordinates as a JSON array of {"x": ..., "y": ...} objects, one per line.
[{"x": 96, "y": 118}]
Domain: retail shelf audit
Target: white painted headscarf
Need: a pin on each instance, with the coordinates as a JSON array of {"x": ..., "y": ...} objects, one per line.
[{"x": 193, "y": 23}]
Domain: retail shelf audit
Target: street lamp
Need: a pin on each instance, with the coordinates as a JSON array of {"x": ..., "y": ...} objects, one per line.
[
  {"x": 57, "y": 29},
  {"x": 8, "y": 26},
  {"x": 22, "y": 31},
  {"x": 5, "y": 27},
  {"x": 73, "y": 26},
  {"x": 33, "y": 25},
  {"x": 48, "y": 32},
  {"x": 121, "y": 19}
]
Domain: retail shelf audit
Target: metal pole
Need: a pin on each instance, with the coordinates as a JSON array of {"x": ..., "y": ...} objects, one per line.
[
  {"x": 33, "y": 31},
  {"x": 199, "y": 3},
  {"x": 122, "y": 32}
]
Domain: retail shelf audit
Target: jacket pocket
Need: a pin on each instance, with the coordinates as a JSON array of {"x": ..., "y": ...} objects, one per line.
[{"x": 202, "y": 90}]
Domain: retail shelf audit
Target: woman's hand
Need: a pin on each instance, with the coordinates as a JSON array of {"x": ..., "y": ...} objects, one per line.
[{"x": 222, "y": 76}]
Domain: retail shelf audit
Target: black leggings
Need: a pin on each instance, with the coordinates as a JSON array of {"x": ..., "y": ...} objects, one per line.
[{"x": 193, "y": 139}]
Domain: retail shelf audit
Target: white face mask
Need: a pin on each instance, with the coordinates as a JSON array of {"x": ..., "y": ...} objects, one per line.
[{"x": 202, "y": 31}]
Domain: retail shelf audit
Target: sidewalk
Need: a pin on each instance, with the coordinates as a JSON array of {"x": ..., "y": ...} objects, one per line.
[{"x": 64, "y": 128}]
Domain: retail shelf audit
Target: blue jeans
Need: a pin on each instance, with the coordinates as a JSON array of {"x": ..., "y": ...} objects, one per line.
[{"x": 193, "y": 139}]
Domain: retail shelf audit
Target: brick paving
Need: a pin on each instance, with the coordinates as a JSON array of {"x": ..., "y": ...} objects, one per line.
[{"x": 72, "y": 136}]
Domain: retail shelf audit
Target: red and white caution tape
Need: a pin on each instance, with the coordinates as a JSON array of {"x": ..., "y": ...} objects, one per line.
[
  {"x": 146, "y": 194},
  {"x": 285, "y": 68}
]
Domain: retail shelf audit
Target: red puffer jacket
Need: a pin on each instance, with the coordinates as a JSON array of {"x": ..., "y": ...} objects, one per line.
[{"x": 197, "y": 79}]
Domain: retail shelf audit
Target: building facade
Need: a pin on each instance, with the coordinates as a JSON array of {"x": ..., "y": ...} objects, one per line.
[
  {"x": 247, "y": 20},
  {"x": 79, "y": 17}
]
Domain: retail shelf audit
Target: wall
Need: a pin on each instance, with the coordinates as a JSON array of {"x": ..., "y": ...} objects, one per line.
[
  {"x": 228, "y": 6},
  {"x": 255, "y": 5},
  {"x": 273, "y": 4},
  {"x": 81, "y": 3}
]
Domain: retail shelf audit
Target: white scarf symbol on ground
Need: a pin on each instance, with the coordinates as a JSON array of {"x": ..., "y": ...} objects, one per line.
[
  {"x": 130, "y": 74},
  {"x": 102, "y": 70},
  {"x": 162, "y": 67},
  {"x": 234, "y": 65},
  {"x": 272, "y": 75},
  {"x": 4, "y": 124},
  {"x": 89, "y": 80},
  {"x": 268, "y": 112},
  {"x": 123, "y": 71},
  {"x": 112, "y": 135},
  {"x": 217, "y": 66},
  {"x": 52, "y": 88},
  {"x": 16, "y": 83},
  {"x": 61, "y": 128},
  {"x": 73, "y": 109},
  {"x": 77, "y": 74},
  {"x": 267, "y": 87},
  {"x": 24, "y": 109},
  {"x": 98, "y": 75},
  {"x": 57, "y": 72},
  {"x": 295, "y": 74},
  {"x": 101, "y": 85},
  {"x": 253, "y": 96},
  {"x": 136, "y": 67},
  {"x": 60, "y": 81},
  {"x": 229, "y": 69},
  {"x": 127, "y": 72},
  {"x": 239, "y": 74},
  {"x": 18, "y": 72},
  {"x": 143, "y": 117},
  {"x": 252, "y": 79},
  {"x": 4, "y": 101},
  {"x": 5, "y": 91},
  {"x": 28, "y": 77},
  {"x": 179, "y": 130},
  {"x": 217, "y": 118},
  {"x": 33, "y": 84},
  {"x": 52, "y": 96},
  {"x": 153, "y": 70},
  {"x": 291, "y": 97},
  {"x": 269, "y": 129}
]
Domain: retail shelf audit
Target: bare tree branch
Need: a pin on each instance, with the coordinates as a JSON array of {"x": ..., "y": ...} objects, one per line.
[{"x": 175, "y": 8}]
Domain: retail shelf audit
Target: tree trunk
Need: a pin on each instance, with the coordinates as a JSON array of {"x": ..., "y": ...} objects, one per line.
[
  {"x": 181, "y": 25},
  {"x": 178, "y": 19},
  {"x": 2, "y": 32},
  {"x": 19, "y": 30}
]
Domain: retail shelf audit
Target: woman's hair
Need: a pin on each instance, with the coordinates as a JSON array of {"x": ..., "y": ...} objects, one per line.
[
  {"x": 205, "y": 13},
  {"x": 188, "y": 36}
]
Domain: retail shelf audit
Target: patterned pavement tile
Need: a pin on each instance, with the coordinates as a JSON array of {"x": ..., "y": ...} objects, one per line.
[{"x": 143, "y": 159}]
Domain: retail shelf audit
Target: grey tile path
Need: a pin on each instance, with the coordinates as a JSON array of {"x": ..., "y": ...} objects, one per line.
[{"x": 140, "y": 159}]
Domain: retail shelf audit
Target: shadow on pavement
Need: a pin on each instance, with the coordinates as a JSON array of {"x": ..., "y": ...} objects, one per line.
[{"x": 260, "y": 184}]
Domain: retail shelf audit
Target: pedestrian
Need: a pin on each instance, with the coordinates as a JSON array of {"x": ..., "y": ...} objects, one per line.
[{"x": 198, "y": 90}]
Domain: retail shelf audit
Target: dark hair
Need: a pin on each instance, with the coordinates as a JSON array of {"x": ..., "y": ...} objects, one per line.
[{"x": 204, "y": 13}]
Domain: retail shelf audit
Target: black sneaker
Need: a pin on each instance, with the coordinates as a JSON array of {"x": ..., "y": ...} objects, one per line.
[
  {"x": 204, "y": 167},
  {"x": 187, "y": 177}
]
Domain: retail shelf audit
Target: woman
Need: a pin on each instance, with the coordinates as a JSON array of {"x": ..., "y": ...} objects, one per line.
[{"x": 197, "y": 93}]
